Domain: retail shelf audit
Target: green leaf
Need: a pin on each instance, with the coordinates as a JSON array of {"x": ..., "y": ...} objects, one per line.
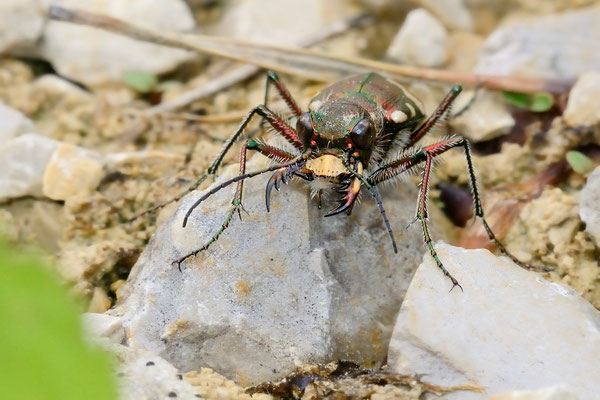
[
  {"x": 140, "y": 81},
  {"x": 537, "y": 102},
  {"x": 580, "y": 163},
  {"x": 42, "y": 351}
]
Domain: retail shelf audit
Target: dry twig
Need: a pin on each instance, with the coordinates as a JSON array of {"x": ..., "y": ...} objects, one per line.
[{"x": 302, "y": 62}]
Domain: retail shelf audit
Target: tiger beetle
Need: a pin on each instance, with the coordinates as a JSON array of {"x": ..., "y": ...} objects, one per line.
[{"x": 358, "y": 132}]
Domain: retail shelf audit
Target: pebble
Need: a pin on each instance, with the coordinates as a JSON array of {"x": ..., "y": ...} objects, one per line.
[
  {"x": 589, "y": 205},
  {"x": 94, "y": 57},
  {"x": 277, "y": 289},
  {"x": 543, "y": 46},
  {"x": 422, "y": 41},
  {"x": 23, "y": 161},
  {"x": 13, "y": 123},
  {"x": 279, "y": 19},
  {"x": 71, "y": 171},
  {"x": 509, "y": 330},
  {"x": 21, "y": 25},
  {"x": 550, "y": 393},
  {"x": 583, "y": 107},
  {"x": 486, "y": 118},
  {"x": 453, "y": 13}
]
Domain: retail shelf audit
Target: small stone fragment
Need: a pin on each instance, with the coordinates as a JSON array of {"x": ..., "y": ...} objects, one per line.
[
  {"x": 509, "y": 330},
  {"x": 279, "y": 19},
  {"x": 103, "y": 326},
  {"x": 99, "y": 302},
  {"x": 21, "y": 25},
  {"x": 550, "y": 393},
  {"x": 486, "y": 118},
  {"x": 583, "y": 107},
  {"x": 453, "y": 13},
  {"x": 71, "y": 171},
  {"x": 93, "y": 56},
  {"x": 22, "y": 164},
  {"x": 13, "y": 123},
  {"x": 589, "y": 206},
  {"x": 139, "y": 381},
  {"x": 543, "y": 46},
  {"x": 422, "y": 41}
]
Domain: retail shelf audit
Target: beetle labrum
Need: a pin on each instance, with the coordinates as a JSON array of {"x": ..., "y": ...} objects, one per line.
[{"x": 358, "y": 132}]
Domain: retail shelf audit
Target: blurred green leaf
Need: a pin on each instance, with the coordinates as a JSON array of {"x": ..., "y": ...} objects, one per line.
[
  {"x": 580, "y": 163},
  {"x": 140, "y": 81},
  {"x": 537, "y": 102},
  {"x": 43, "y": 355}
]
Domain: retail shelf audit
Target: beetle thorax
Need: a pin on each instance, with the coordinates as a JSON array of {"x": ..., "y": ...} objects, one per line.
[{"x": 334, "y": 119}]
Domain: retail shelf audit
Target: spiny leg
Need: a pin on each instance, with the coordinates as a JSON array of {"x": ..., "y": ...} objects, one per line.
[
  {"x": 437, "y": 114},
  {"x": 273, "y": 79},
  {"x": 354, "y": 171},
  {"x": 422, "y": 216},
  {"x": 267, "y": 150},
  {"x": 400, "y": 165},
  {"x": 277, "y": 123}
]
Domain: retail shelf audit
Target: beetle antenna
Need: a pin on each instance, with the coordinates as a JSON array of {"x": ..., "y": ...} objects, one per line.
[
  {"x": 377, "y": 198},
  {"x": 229, "y": 182}
]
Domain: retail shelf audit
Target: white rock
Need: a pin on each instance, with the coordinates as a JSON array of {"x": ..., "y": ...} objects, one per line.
[
  {"x": 277, "y": 289},
  {"x": 485, "y": 119},
  {"x": 422, "y": 40},
  {"x": 583, "y": 107},
  {"x": 551, "y": 393},
  {"x": 93, "y": 56},
  {"x": 22, "y": 164},
  {"x": 453, "y": 13},
  {"x": 13, "y": 123},
  {"x": 589, "y": 205},
  {"x": 103, "y": 326},
  {"x": 151, "y": 377},
  {"x": 280, "y": 21},
  {"x": 71, "y": 171},
  {"x": 544, "y": 46},
  {"x": 58, "y": 86},
  {"x": 21, "y": 25},
  {"x": 509, "y": 330}
]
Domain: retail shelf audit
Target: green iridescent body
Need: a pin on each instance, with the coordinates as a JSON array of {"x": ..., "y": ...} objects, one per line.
[{"x": 338, "y": 107}]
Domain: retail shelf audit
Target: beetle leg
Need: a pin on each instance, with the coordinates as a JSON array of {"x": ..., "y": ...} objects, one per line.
[
  {"x": 437, "y": 114},
  {"x": 396, "y": 167},
  {"x": 280, "y": 126},
  {"x": 236, "y": 204}
]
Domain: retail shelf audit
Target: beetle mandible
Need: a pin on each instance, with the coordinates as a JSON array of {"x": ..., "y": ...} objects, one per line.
[{"x": 357, "y": 133}]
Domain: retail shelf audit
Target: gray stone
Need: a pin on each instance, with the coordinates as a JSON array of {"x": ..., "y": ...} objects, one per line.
[
  {"x": 453, "y": 13},
  {"x": 422, "y": 40},
  {"x": 21, "y": 25},
  {"x": 583, "y": 107},
  {"x": 589, "y": 205},
  {"x": 485, "y": 119},
  {"x": 22, "y": 163},
  {"x": 13, "y": 123},
  {"x": 550, "y": 393},
  {"x": 544, "y": 46},
  {"x": 509, "y": 330},
  {"x": 277, "y": 289},
  {"x": 280, "y": 21},
  {"x": 93, "y": 56}
]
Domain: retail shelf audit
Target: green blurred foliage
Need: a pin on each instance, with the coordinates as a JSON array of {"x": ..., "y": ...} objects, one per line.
[
  {"x": 140, "y": 81},
  {"x": 42, "y": 352},
  {"x": 536, "y": 102},
  {"x": 580, "y": 163}
]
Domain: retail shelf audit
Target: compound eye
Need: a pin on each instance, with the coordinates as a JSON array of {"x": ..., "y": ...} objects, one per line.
[
  {"x": 362, "y": 134},
  {"x": 304, "y": 128}
]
